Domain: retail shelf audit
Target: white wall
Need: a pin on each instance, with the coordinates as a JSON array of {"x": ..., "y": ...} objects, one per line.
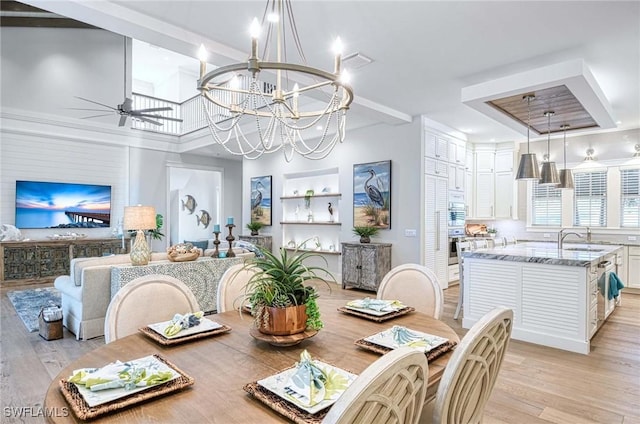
[{"x": 400, "y": 144}]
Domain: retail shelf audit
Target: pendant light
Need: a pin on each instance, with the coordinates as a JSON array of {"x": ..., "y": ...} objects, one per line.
[
  {"x": 549, "y": 173},
  {"x": 566, "y": 176},
  {"x": 528, "y": 167}
]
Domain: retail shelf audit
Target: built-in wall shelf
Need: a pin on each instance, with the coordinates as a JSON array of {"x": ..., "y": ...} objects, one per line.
[
  {"x": 310, "y": 223},
  {"x": 312, "y": 197},
  {"x": 324, "y": 252}
]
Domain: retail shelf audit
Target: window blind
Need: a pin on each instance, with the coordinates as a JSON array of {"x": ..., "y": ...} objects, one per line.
[
  {"x": 590, "y": 198},
  {"x": 547, "y": 205},
  {"x": 630, "y": 198}
]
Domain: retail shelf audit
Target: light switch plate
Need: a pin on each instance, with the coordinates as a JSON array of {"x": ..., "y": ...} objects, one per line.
[{"x": 410, "y": 233}]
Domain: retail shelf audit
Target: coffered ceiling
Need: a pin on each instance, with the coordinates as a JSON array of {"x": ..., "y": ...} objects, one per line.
[{"x": 424, "y": 53}]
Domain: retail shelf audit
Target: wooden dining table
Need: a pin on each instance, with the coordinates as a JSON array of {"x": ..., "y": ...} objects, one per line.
[{"x": 221, "y": 365}]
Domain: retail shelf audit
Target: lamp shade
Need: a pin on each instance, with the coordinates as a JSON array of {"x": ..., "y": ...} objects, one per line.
[
  {"x": 139, "y": 218},
  {"x": 528, "y": 168},
  {"x": 549, "y": 174},
  {"x": 566, "y": 179}
]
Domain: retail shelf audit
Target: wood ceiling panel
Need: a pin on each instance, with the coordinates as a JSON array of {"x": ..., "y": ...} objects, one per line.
[
  {"x": 567, "y": 109},
  {"x": 16, "y": 14}
]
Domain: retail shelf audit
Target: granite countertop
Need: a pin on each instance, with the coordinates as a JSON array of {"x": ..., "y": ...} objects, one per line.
[{"x": 547, "y": 253}]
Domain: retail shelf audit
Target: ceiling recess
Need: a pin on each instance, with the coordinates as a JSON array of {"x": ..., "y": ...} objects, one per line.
[{"x": 567, "y": 88}]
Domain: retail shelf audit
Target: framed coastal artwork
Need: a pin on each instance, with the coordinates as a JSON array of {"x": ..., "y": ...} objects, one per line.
[
  {"x": 261, "y": 200},
  {"x": 372, "y": 194}
]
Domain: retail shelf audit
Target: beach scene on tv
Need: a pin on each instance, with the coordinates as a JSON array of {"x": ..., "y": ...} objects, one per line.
[{"x": 62, "y": 205}]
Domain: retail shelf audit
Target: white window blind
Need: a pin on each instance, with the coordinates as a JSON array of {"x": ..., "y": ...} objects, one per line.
[
  {"x": 630, "y": 198},
  {"x": 547, "y": 205},
  {"x": 590, "y": 195}
]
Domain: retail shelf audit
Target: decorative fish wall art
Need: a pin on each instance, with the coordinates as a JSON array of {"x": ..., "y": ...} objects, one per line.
[
  {"x": 204, "y": 218},
  {"x": 189, "y": 204}
]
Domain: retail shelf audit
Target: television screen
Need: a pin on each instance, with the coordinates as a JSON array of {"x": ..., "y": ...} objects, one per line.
[{"x": 62, "y": 205}]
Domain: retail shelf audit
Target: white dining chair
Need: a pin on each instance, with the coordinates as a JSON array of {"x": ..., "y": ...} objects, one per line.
[
  {"x": 231, "y": 288},
  {"x": 147, "y": 300},
  {"x": 510, "y": 240},
  {"x": 390, "y": 390},
  {"x": 461, "y": 246},
  {"x": 499, "y": 242},
  {"x": 480, "y": 244},
  {"x": 414, "y": 285},
  {"x": 471, "y": 373}
]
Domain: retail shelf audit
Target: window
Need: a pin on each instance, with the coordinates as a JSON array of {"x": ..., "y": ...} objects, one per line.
[
  {"x": 547, "y": 205},
  {"x": 590, "y": 199},
  {"x": 630, "y": 198}
]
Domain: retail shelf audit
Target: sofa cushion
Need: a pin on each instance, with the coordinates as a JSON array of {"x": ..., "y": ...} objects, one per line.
[{"x": 78, "y": 264}]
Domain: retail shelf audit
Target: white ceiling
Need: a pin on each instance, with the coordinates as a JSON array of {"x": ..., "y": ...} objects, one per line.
[{"x": 424, "y": 52}]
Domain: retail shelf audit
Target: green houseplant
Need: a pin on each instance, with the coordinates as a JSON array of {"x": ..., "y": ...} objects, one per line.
[
  {"x": 365, "y": 233},
  {"x": 255, "y": 227},
  {"x": 282, "y": 301}
]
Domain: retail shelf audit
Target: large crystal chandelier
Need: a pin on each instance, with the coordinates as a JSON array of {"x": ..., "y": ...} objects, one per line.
[{"x": 249, "y": 116}]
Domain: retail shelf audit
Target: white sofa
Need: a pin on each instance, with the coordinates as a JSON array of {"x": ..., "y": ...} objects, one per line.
[{"x": 86, "y": 292}]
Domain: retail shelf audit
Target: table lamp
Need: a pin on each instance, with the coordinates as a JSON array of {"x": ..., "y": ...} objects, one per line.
[{"x": 140, "y": 218}]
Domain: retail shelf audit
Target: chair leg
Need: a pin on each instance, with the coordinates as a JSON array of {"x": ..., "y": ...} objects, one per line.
[{"x": 459, "y": 307}]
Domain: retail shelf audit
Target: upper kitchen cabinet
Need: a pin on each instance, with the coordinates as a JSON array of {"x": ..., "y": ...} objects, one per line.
[
  {"x": 436, "y": 146},
  {"x": 494, "y": 183},
  {"x": 505, "y": 184},
  {"x": 457, "y": 151}
]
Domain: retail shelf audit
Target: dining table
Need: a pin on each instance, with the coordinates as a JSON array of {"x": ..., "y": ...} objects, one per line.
[{"x": 223, "y": 364}]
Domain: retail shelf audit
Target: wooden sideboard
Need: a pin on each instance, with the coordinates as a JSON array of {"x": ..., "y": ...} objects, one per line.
[
  {"x": 39, "y": 261},
  {"x": 266, "y": 242}
]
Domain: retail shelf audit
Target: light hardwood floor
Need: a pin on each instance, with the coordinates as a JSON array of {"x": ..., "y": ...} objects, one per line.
[{"x": 536, "y": 384}]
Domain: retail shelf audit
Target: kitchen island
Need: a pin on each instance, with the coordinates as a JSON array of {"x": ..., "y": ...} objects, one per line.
[{"x": 559, "y": 297}]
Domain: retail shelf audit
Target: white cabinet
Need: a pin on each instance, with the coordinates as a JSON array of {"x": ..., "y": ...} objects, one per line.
[
  {"x": 504, "y": 195},
  {"x": 436, "y": 146},
  {"x": 494, "y": 185},
  {"x": 484, "y": 195},
  {"x": 633, "y": 267},
  {"x": 456, "y": 175},
  {"x": 485, "y": 161},
  {"x": 436, "y": 247},
  {"x": 457, "y": 151}
]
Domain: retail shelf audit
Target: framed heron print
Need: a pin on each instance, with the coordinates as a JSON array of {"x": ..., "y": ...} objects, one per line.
[
  {"x": 261, "y": 200},
  {"x": 372, "y": 195}
]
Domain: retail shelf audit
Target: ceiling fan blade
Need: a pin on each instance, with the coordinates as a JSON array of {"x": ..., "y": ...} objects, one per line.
[
  {"x": 123, "y": 119},
  {"x": 96, "y": 116},
  {"x": 135, "y": 114},
  {"x": 91, "y": 101},
  {"x": 83, "y": 108},
  {"x": 148, "y": 120},
  {"x": 153, "y": 109}
]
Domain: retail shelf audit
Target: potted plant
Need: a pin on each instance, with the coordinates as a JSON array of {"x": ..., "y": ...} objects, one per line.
[
  {"x": 492, "y": 232},
  {"x": 281, "y": 301},
  {"x": 365, "y": 233},
  {"x": 254, "y": 227}
]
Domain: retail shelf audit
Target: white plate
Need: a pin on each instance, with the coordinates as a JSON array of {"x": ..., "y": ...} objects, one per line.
[
  {"x": 205, "y": 325},
  {"x": 385, "y": 311},
  {"x": 277, "y": 384},
  {"x": 386, "y": 339},
  {"x": 103, "y": 396}
]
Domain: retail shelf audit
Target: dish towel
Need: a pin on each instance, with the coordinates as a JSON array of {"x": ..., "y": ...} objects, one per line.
[{"x": 615, "y": 285}]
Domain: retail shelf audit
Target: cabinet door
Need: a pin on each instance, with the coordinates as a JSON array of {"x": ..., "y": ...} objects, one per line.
[
  {"x": 20, "y": 263},
  {"x": 456, "y": 177},
  {"x": 504, "y": 195},
  {"x": 53, "y": 260},
  {"x": 468, "y": 193},
  {"x": 369, "y": 276},
  {"x": 484, "y": 196},
  {"x": 485, "y": 161},
  {"x": 633, "y": 271},
  {"x": 350, "y": 265},
  {"x": 504, "y": 161},
  {"x": 436, "y": 248}
]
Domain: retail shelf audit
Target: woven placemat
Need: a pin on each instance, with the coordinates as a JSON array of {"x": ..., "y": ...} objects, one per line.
[
  {"x": 375, "y": 318},
  {"x": 85, "y": 412},
  {"x": 433, "y": 354},
  {"x": 284, "y": 407},
  {"x": 176, "y": 340}
]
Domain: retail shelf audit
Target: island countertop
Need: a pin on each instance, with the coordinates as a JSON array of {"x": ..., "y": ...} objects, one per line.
[{"x": 547, "y": 253}]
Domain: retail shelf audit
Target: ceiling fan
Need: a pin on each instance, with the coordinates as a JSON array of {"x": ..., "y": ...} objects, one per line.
[{"x": 125, "y": 108}]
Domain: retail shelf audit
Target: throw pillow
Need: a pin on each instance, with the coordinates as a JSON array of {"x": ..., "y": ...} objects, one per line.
[{"x": 202, "y": 244}]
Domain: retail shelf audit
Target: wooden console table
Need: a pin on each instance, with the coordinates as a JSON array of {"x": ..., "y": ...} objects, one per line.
[
  {"x": 202, "y": 276},
  {"x": 260, "y": 241},
  {"x": 39, "y": 261}
]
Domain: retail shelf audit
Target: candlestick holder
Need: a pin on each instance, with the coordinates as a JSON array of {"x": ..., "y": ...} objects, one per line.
[
  {"x": 216, "y": 242},
  {"x": 230, "y": 239}
]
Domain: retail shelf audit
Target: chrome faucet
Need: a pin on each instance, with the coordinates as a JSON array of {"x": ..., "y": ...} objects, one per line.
[
  {"x": 588, "y": 235},
  {"x": 562, "y": 235}
]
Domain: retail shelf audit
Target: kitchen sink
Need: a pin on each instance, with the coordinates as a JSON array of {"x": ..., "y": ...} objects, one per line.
[{"x": 584, "y": 249}]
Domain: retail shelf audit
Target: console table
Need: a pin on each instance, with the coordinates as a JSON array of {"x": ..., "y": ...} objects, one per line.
[
  {"x": 38, "y": 261},
  {"x": 261, "y": 241},
  {"x": 201, "y": 276}
]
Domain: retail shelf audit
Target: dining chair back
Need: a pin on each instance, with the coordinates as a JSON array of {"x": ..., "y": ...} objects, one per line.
[
  {"x": 499, "y": 242},
  {"x": 231, "y": 288},
  {"x": 480, "y": 244},
  {"x": 472, "y": 371},
  {"x": 390, "y": 390},
  {"x": 147, "y": 300},
  {"x": 414, "y": 285},
  {"x": 510, "y": 240},
  {"x": 461, "y": 246}
]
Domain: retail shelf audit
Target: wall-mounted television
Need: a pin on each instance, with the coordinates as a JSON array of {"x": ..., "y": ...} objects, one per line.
[{"x": 62, "y": 205}]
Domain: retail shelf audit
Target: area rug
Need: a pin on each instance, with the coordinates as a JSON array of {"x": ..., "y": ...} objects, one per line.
[{"x": 28, "y": 303}]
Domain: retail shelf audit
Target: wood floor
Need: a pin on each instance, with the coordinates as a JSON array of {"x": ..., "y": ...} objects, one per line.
[{"x": 536, "y": 384}]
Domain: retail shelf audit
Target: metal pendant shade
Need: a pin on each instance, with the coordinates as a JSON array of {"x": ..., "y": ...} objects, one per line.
[
  {"x": 549, "y": 173},
  {"x": 566, "y": 176},
  {"x": 528, "y": 168}
]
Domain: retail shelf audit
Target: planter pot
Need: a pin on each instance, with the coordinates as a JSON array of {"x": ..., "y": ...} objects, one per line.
[
  {"x": 282, "y": 321},
  {"x": 254, "y": 233},
  {"x": 365, "y": 239}
]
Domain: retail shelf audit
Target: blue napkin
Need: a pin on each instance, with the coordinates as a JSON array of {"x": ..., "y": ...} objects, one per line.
[{"x": 615, "y": 285}]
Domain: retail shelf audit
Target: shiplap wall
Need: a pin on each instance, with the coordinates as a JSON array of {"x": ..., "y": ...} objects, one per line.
[{"x": 58, "y": 160}]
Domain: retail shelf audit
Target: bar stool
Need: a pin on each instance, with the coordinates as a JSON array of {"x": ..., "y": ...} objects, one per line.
[
  {"x": 510, "y": 240},
  {"x": 480, "y": 244},
  {"x": 461, "y": 246}
]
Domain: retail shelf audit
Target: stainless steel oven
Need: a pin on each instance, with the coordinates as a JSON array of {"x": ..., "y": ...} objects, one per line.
[
  {"x": 455, "y": 235},
  {"x": 456, "y": 211}
]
